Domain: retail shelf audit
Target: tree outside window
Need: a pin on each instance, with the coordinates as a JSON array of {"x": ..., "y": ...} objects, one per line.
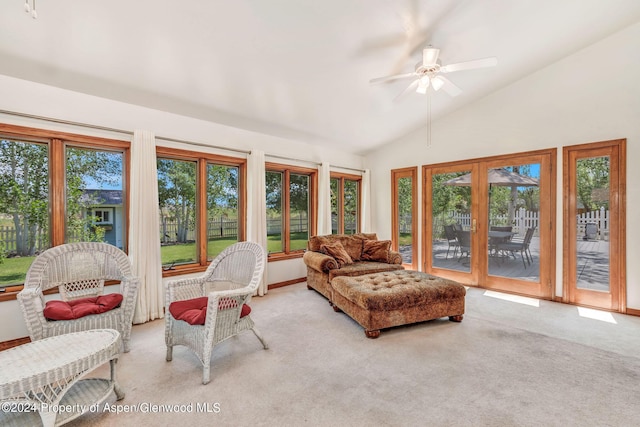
[
  {"x": 49, "y": 191},
  {"x": 290, "y": 213},
  {"x": 200, "y": 204},
  {"x": 345, "y": 203}
]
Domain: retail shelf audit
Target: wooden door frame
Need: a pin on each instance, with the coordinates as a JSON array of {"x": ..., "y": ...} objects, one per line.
[
  {"x": 471, "y": 277},
  {"x": 617, "y": 233},
  {"x": 396, "y": 175},
  {"x": 478, "y": 264}
]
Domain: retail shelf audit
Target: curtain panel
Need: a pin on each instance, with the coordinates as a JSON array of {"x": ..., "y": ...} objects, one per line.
[
  {"x": 257, "y": 207},
  {"x": 324, "y": 199},
  {"x": 144, "y": 244}
]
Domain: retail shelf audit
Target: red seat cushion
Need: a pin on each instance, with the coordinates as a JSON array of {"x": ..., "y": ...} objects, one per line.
[
  {"x": 194, "y": 311},
  {"x": 62, "y": 310}
]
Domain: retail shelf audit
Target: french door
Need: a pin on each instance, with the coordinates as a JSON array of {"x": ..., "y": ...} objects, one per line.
[
  {"x": 594, "y": 218},
  {"x": 490, "y": 222}
]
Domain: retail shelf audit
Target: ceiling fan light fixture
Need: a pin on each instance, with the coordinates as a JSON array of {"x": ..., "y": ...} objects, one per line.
[
  {"x": 423, "y": 85},
  {"x": 437, "y": 83}
]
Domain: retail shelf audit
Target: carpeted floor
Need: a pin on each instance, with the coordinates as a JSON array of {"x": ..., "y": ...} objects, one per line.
[{"x": 506, "y": 364}]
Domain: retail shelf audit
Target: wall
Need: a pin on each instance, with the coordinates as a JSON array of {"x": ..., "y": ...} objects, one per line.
[
  {"x": 46, "y": 101},
  {"x": 592, "y": 95}
]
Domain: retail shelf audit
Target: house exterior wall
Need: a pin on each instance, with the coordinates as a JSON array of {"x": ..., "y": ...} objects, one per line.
[{"x": 592, "y": 95}]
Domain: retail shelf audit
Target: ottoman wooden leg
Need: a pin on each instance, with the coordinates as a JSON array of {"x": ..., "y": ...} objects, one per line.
[
  {"x": 457, "y": 318},
  {"x": 336, "y": 308},
  {"x": 372, "y": 334}
]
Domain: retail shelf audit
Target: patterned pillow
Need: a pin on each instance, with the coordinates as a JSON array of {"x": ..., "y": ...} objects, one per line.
[
  {"x": 338, "y": 252},
  {"x": 376, "y": 250}
]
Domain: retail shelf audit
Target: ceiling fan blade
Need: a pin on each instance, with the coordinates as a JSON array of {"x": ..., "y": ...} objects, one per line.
[
  {"x": 449, "y": 87},
  {"x": 408, "y": 90},
  {"x": 390, "y": 78},
  {"x": 469, "y": 65}
]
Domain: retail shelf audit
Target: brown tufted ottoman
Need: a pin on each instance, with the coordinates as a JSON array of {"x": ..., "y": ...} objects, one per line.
[{"x": 393, "y": 298}]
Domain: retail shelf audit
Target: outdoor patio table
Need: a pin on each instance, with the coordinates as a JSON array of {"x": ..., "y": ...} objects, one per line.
[{"x": 44, "y": 377}]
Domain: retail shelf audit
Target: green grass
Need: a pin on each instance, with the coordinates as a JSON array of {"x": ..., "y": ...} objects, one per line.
[
  {"x": 405, "y": 239},
  {"x": 185, "y": 253},
  {"x": 298, "y": 241},
  {"x": 14, "y": 270}
]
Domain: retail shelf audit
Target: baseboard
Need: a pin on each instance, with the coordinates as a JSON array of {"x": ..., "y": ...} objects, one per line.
[
  {"x": 6, "y": 345},
  {"x": 633, "y": 311},
  {"x": 287, "y": 283}
]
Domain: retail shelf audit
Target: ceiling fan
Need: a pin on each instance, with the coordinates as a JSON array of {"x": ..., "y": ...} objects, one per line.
[{"x": 429, "y": 72}]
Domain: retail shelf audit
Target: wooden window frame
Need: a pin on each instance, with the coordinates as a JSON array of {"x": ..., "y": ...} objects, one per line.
[
  {"x": 286, "y": 171},
  {"x": 202, "y": 160},
  {"x": 342, "y": 177},
  {"x": 57, "y": 142}
]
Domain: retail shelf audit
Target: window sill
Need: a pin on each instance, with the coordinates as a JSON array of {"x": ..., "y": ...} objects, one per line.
[
  {"x": 184, "y": 269},
  {"x": 281, "y": 256}
]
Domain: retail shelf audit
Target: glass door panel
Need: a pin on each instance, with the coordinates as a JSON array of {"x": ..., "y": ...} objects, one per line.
[
  {"x": 513, "y": 232},
  {"x": 594, "y": 216},
  {"x": 451, "y": 220},
  {"x": 592, "y": 245}
]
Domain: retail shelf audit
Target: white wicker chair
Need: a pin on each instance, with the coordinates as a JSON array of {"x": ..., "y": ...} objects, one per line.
[
  {"x": 233, "y": 276},
  {"x": 79, "y": 270}
]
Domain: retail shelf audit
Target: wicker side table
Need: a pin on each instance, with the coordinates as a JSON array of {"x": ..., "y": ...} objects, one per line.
[{"x": 46, "y": 374}]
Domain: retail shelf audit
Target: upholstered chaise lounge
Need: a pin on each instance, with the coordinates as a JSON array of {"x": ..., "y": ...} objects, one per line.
[{"x": 366, "y": 254}]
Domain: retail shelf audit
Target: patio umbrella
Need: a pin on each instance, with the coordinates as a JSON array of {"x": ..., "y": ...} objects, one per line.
[{"x": 501, "y": 177}]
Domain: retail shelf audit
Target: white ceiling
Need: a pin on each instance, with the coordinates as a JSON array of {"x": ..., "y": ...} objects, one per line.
[{"x": 298, "y": 69}]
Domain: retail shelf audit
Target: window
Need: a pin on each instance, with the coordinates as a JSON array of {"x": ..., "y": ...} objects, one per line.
[
  {"x": 404, "y": 211},
  {"x": 201, "y": 199},
  {"x": 291, "y": 217},
  {"x": 54, "y": 188},
  {"x": 345, "y": 203},
  {"x": 102, "y": 216}
]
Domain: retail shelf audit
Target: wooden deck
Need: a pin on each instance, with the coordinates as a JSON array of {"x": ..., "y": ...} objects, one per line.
[{"x": 593, "y": 263}]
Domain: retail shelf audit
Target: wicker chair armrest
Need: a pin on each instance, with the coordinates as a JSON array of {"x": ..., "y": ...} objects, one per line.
[
  {"x": 319, "y": 262},
  {"x": 395, "y": 257},
  {"x": 31, "y": 303}
]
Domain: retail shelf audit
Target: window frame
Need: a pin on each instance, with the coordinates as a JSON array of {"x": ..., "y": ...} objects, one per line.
[
  {"x": 396, "y": 176},
  {"x": 57, "y": 142},
  {"x": 342, "y": 177},
  {"x": 202, "y": 160},
  {"x": 286, "y": 171}
]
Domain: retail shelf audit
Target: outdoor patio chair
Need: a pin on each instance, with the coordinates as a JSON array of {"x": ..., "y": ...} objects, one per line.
[
  {"x": 79, "y": 271},
  {"x": 452, "y": 240},
  {"x": 520, "y": 246},
  {"x": 495, "y": 241},
  {"x": 206, "y": 310},
  {"x": 464, "y": 243}
]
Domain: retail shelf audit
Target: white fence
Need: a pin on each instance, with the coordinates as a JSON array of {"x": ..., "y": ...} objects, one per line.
[{"x": 522, "y": 220}]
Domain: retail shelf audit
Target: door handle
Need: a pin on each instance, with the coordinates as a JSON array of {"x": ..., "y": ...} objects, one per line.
[{"x": 473, "y": 226}]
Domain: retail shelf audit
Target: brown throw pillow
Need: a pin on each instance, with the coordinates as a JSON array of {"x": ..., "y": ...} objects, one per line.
[
  {"x": 376, "y": 250},
  {"x": 337, "y": 251}
]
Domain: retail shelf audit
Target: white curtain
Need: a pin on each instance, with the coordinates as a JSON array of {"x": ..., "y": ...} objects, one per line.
[
  {"x": 256, "y": 206},
  {"x": 365, "y": 220},
  {"x": 324, "y": 199},
  {"x": 144, "y": 244}
]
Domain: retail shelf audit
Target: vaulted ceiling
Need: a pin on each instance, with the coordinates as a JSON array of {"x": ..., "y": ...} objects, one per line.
[{"x": 298, "y": 69}]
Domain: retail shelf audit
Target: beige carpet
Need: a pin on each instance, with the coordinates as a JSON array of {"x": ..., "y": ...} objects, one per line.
[{"x": 506, "y": 364}]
